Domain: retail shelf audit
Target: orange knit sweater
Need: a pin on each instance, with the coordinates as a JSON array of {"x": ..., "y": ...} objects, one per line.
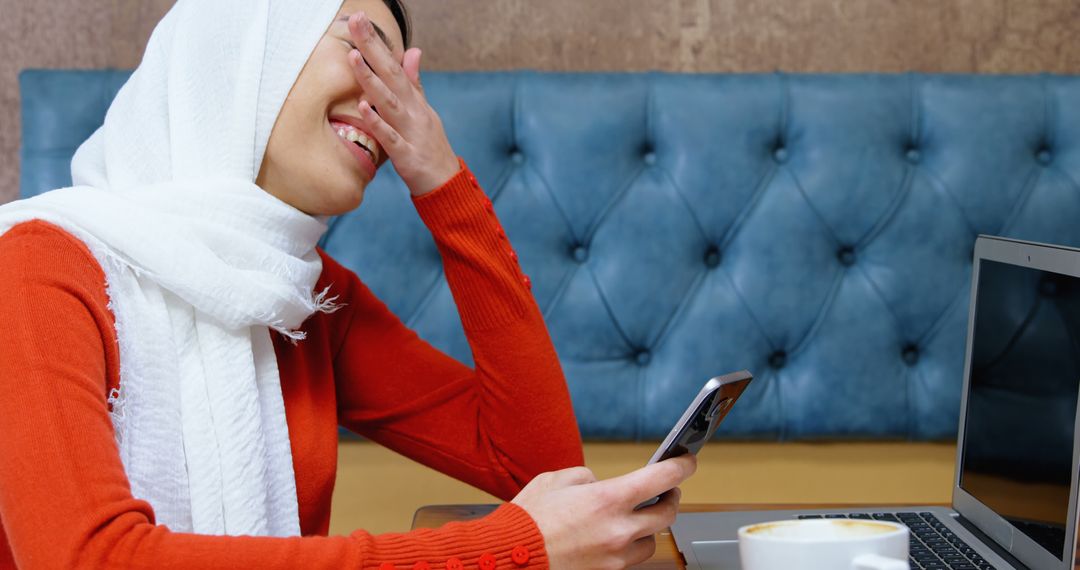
[{"x": 64, "y": 498}]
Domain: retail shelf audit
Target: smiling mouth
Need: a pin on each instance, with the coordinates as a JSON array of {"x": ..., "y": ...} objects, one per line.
[{"x": 362, "y": 140}]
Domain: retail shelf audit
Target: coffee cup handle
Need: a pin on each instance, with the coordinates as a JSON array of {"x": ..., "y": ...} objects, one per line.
[{"x": 876, "y": 562}]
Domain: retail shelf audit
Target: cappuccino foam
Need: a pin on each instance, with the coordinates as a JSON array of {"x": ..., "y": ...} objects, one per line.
[{"x": 820, "y": 529}]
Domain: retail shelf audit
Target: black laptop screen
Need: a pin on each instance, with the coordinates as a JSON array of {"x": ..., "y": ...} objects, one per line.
[{"x": 1025, "y": 372}]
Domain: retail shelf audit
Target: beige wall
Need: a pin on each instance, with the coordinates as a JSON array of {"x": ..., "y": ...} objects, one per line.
[
  {"x": 379, "y": 491},
  {"x": 684, "y": 35}
]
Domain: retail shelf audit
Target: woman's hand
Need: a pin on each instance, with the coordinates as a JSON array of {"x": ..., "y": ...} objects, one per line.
[
  {"x": 592, "y": 524},
  {"x": 408, "y": 129}
]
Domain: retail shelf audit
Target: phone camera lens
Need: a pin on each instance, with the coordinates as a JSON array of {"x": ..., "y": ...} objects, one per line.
[{"x": 719, "y": 408}]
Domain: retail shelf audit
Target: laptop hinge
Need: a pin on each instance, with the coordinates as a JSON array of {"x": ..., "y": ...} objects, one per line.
[{"x": 989, "y": 542}]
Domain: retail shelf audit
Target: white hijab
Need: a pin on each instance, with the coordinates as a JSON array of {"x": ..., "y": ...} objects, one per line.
[{"x": 200, "y": 262}]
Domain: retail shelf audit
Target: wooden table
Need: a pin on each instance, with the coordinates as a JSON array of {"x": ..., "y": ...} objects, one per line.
[{"x": 667, "y": 555}]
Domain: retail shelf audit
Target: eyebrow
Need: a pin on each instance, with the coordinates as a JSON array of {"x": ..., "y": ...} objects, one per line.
[{"x": 382, "y": 35}]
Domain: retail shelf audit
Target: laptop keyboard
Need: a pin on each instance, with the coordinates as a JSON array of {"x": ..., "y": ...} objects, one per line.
[{"x": 933, "y": 545}]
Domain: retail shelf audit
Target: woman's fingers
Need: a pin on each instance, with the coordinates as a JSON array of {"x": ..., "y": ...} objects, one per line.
[
  {"x": 406, "y": 126},
  {"x": 385, "y": 134},
  {"x": 655, "y": 518},
  {"x": 589, "y": 524},
  {"x": 377, "y": 54},
  {"x": 573, "y": 476},
  {"x": 641, "y": 550},
  {"x": 652, "y": 480},
  {"x": 375, "y": 90},
  {"x": 411, "y": 64}
]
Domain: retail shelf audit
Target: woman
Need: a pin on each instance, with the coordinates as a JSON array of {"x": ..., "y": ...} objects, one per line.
[{"x": 178, "y": 353}]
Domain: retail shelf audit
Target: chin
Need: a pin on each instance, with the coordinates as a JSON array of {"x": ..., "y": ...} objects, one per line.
[
  {"x": 330, "y": 201},
  {"x": 343, "y": 201}
]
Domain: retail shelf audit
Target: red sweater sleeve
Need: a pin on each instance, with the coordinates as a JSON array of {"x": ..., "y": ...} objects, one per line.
[
  {"x": 496, "y": 426},
  {"x": 65, "y": 501}
]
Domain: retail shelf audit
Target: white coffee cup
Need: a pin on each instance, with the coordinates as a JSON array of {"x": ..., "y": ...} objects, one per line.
[{"x": 824, "y": 544}]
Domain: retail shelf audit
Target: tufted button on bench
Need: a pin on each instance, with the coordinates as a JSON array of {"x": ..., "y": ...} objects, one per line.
[
  {"x": 712, "y": 257},
  {"x": 778, "y": 359},
  {"x": 910, "y": 354},
  {"x": 580, "y": 253},
  {"x": 516, "y": 156},
  {"x": 846, "y": 256},
  {"x": 912, "y": 155},
  {"x": 1044, "y": 156},
  {"x": 780, "y": 153}
]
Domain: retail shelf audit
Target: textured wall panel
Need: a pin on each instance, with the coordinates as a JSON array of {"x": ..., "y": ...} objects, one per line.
[{"x": 984, "y": 36}]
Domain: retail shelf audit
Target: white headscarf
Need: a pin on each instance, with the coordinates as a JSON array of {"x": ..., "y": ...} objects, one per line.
[{"x": 200, "y": 262}]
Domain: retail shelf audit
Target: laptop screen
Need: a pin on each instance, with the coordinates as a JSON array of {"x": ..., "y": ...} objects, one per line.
[{"x": 1021, "y": 410}]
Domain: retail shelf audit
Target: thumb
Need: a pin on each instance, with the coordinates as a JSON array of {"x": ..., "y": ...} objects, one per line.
[
  {"x": 654, "y": 479},
  {"x": 411, "y": 63},
  {"x": 572, "y": 476}
]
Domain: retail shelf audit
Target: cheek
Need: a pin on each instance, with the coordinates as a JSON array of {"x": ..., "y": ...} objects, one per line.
[
  {"x": 328, "y": 71},
  {"x": 325, "y": 81}
]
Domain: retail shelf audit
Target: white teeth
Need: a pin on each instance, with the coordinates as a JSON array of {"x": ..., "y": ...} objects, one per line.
[
  {"x": 352, "y": 135},
  {"x": 367, "y": 141}
]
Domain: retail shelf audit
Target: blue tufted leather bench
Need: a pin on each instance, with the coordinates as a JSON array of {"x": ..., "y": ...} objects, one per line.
[{"x": 815, "y": 229}]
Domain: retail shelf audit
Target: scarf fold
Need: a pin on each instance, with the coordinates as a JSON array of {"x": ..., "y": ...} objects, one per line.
[{"x": 200, "y": 263}]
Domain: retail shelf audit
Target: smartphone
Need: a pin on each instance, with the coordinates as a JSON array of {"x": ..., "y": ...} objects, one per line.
[{"x": 701, "y": 418}]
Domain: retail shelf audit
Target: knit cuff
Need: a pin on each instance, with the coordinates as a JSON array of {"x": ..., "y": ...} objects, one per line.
[
  {"x": 459, "y": 202},
  {"x": 507, "y": 539},
  {"x": 481, "y": 266}
]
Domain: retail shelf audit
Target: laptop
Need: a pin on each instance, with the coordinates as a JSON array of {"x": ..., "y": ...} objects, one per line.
[{"x": 1015, "y": 490}]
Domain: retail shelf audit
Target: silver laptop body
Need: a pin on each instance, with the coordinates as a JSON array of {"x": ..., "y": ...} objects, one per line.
[{"x": 1018, "y": 454}]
